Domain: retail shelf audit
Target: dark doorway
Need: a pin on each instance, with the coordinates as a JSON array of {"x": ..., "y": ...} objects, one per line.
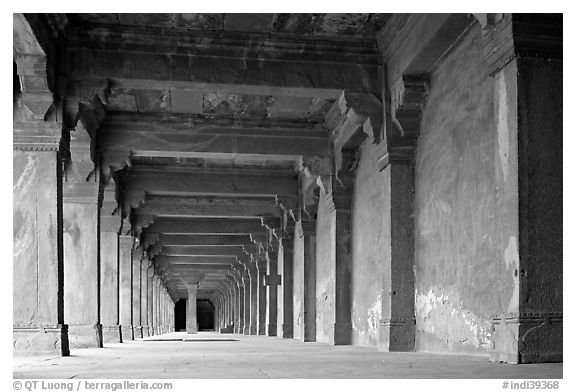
[
  {"x": 205, "y": 312},
  {"x": 180, "y": 315}
]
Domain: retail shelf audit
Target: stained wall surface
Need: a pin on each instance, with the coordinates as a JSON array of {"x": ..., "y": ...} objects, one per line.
[
  {"x": 298, "y": 285},
  {"x": 369, "y": 275},
  {"x": 325, "y": 272},
  {"x": 460, "y": 275}
]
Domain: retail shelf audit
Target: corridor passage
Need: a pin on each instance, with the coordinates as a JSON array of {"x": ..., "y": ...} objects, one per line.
[{"x": 179, "y": 355}]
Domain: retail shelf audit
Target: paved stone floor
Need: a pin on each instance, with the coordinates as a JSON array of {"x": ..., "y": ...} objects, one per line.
[{"x": 212, "y": 355}]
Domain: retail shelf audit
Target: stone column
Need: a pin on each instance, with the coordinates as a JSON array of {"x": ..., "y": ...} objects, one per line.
[
  {"x": 150, "y": 301},
  {"x": 305, "y": 282},
  {"x": 38, "y": 311},
  {"x": 109, "y": 263},
  {"x": 144, "y": 297},
  {"x": 272, "y": 280},
  {"x": 253, "y": 272},
  {"x": 157, "y": 294},
  {"x": 81, "y": 243},
  {"x": 286, "y": 309},
  {"x": 191, "y": 314},
  {"x": 136, "y": 284},
  {"x": 241, "y": 302},
  {"x": 247, "y": 303},
  {"x": 524, "y": 56},
  {"x": 262, "y": 265},
  {"x": 126, "y": 243},
  {"x": 342, "y": 203}
]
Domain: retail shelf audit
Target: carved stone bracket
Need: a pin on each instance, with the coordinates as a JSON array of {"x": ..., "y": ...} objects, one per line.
[
  {"x": 351, "y": 120},
  {"x": 407, "y": 99}
]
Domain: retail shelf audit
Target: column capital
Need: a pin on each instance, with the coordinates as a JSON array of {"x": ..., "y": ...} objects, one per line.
[
  {"x": 110, "y": 223},
  {"x": 37, "y": 136}
]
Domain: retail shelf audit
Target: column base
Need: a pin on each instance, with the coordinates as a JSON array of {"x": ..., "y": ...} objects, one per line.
[
  {"x": 272, "y": 330},
  {"x": 145, "y": 331},
  {"x": 137, "y": 331},
  {"x": 527, "y": 338},
  {"x": 397, "y": 334},
  {"x": 227, "y": 329},
  {"x": 309, "y": 333},
  {"x": 246, "y": 330},
  {"x": 127, "y": 333},
  {"x": 342, "y": 334},
  {"x": 287, "y": 331},
  {"x": 84, "y": 336},
  {"x": 111, "y": 334},
  {"x": 42, "y": 339},
  {"x": 253, "y": 330}
]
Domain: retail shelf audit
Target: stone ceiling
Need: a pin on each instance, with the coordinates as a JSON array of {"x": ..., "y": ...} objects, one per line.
[
  {"x": 321, "y": 25},
  {"x": 205, "y": 121}
]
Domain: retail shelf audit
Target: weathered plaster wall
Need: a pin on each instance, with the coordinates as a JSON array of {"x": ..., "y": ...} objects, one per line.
[
  {"x": 325, "y": 272},
  {"x": 458, "y": 267},
  {"x": 80, "y": 263},
  {"x": 298, "y": 285},
  {"x": 369, "y": 277},
  {"x": 35, "y": 251}
]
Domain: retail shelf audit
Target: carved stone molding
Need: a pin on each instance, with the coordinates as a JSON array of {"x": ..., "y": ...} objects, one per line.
[
  {"x": 528, "y": 317},
  {"x": 37, "y": 136},
  {"x": 511, "y": 36}
]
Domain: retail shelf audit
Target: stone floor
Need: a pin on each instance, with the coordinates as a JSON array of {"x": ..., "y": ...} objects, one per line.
[{"x": 211, "y": 355}]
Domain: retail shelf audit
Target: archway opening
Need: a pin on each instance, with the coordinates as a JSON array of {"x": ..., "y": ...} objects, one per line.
[
  {"x": 205, "y": 314},
  {"x": 180, "y": 315}
]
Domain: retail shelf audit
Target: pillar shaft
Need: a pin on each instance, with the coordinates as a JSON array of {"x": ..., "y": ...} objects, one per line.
[
  {"x": 126, "y": 287},
  {"x": 528, "y": 165},
  {"x": 191, "y": 314},
  {"x": 272, "y": 284},
  {"x": 109, "y": 283},
  {"x": 144, "y": 297},
  {"x": 38, "y": 312},
  {"x": 150, "y": 300},
  {"x": 286, "y": 308},
  {"x": 247, "y": 304},
  {"x": 397, "y": 328},
  {"x": 342, "y": 199},
  {"x": 241, "y": 301},
  {"x": 304, "y": 282},
  {"x": 136, "y": 295},
  {"x": 81, "y": 264},
  {"x": 253, "y": 299},
  {"x": 261, "y": 297}
]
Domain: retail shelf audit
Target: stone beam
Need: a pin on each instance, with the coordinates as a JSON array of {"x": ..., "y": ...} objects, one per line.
[
  {"x": 201, "y": 240},
  {"x": 179, "y": 135},
  {"x": 205, "y": 226},
  {"x": 185, "y": 260},
  {"x": 202, "y": 251},
  {"x": 155, "y": 39},
  {"x": 151, "y": 62},
  {"x": 208, "y": 207},
  {"x": 136, "y": 184},
  {"x": 421, "y": 41}
]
